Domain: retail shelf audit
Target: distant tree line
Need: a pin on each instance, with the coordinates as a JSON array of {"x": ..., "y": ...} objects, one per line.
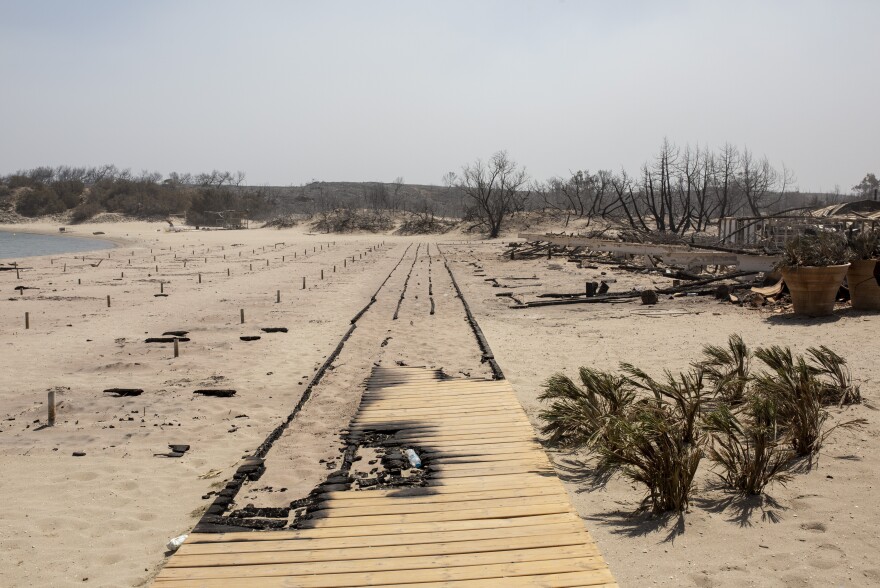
[
  {"x": 87, "y": 191},
  {"x": 680, "y": 190}
]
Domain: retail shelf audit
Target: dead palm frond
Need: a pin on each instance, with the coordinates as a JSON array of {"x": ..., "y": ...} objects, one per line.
[
  {"x": 793, "y": 385},
  {"x": 840, "y": 389},
  {"x": 685, "y": 393},
  {"x": 746, "y": 448},
  {"x": 578, "y": 414},
  {"x": 727, "y": 369},
  {"x": 653, "y": 445}
]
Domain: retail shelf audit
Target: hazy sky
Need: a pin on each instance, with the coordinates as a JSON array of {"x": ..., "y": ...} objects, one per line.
[{"x": 293, "y": 91}]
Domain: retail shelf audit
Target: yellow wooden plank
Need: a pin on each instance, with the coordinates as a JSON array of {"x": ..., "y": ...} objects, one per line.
[
  {"x": 455, "y": 420},
  {"x": 500, "y": 572},
  {"x": 434, "y": 407},
  {"x": 441, "y": 385},
  {"x": 306, "y": 544},
  {"x": 591, "y": 579},
  {"x": 528, "y": 463},
  {"x": 497, "y": 435},
  {"x": 532, "y": 478},
  {"x": 450, "y": 426},
  {"x": 525, "y": 432},
  {"x": 402, "y": 507},
  {"x": 439, "y": 499},
  {"x": 447, "y": 474},
  {"x": 473, "y": 514},
  {"x": 525, "y": 457},
  {"x": 426, "y": 493},
  {"x": 493, "y": 400},
  {"x": 457, "y": 448},
  {"x": 365, "y": 566},
  {"x": 433, "y": 415},
  {"x": 383, "y": 552},
  {"x": 393, "y": 530},
  {"x": 439, "y": 391}
]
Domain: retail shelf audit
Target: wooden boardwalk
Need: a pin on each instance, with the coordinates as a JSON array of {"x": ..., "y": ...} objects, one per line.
[{"x": 493, "y": 513}]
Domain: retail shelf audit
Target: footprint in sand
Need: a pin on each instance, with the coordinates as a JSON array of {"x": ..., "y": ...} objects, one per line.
[
  {"x": 111, "y": 559},
  {"x": 703, "y": 580},
  {"x": 827, "y": 556}
]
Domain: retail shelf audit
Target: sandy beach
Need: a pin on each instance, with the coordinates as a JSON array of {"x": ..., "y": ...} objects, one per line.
[{"x": 103, "y": 518}]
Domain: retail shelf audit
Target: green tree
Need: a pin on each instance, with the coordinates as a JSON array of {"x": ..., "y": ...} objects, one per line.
[{"x": 867, "y": 186}]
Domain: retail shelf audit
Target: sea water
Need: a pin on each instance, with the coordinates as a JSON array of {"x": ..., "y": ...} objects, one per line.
[{"x": 15, "y": 245}]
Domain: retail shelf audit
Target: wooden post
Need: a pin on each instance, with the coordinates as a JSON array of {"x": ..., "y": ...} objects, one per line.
[
  {"x": 322, "y": 274},
  {"x": 79, "y": 281},
  {"x": 334, "y": 269},
  {"x": 121, "y": 274},
  {"x": 27, "y": 320},
  {"x": 200, "y": 278},
  {"x": 267, "y": 263},
  {"x": 51, "y": 407},
  {"x": 157, "y": 269},
  {"x": 304, "y": 282},
  {"x": 252, "y": 267},
  {"x": 65, "y": 267},
  {"x": 17, "y": 276},
  {"x": 227, "y": 272},
  {"x": 176, "y": 348},
  {"x": 345, "y": 262},
  {"x": 241, "y": 312},
  {"x": 108, "y": 301},
  {"x": 161, "y": 287}
]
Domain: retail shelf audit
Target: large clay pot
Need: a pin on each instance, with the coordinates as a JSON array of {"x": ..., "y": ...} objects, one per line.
[
  {"x": 813, "y": 289},
  {"x": 863, "y": 288}
]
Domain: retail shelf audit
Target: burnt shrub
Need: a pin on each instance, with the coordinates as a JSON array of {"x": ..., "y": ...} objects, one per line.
[{"x": 38, "y": 202}]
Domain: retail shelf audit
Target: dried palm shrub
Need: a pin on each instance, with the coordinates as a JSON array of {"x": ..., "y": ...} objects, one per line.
[
  {"x": 684, "y": 392},
  {"x": 653, "y": 444},
  {"x": 799, "y": 394},
  {"x": 577, "y": 415},
  {"x": 839, "y": 388},
  {"x": 745, "y": 446},
  {"x": 658, "y": 443},
  {"x": 727, "y": 369}
]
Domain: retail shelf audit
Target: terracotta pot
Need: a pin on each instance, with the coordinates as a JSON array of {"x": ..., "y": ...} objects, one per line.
[
  {"x": 813, "y": 289},
  {"x": 863, "y": 288}
]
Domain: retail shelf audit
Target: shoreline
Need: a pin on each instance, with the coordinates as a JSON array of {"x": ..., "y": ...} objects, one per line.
[{"x": 114, "y": 241}]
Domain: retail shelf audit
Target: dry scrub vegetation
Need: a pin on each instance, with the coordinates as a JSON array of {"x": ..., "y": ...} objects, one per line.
[{"x": 755, "y": 427}]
